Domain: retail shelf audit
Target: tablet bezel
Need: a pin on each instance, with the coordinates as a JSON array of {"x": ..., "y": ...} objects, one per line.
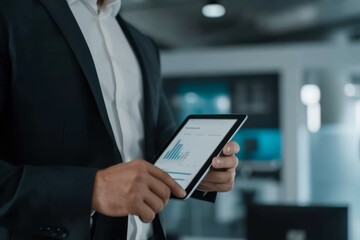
[{"x": 240, "y": 119}]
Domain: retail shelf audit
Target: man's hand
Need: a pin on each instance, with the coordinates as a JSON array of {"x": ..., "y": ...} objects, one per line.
[
  {"x": 222, "y": 173},
  {"x": 136, "y": 188}
]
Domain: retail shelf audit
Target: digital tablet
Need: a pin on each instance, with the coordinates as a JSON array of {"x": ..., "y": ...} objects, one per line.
[{"x": 188, "y": 155}]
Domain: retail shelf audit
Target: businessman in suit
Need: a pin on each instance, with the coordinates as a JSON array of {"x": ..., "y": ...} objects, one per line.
[{"x": 80, "y": 99}]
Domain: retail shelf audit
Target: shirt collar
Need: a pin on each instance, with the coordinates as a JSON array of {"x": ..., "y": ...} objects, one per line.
[{"x": 114, "y": 5}]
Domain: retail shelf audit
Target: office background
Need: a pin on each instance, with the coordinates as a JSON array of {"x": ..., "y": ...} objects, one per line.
[{"x": 294, "y": 67}]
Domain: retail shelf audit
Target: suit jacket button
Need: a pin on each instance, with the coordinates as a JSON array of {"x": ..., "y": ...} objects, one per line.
[
  {"x": 61, "y": 233},
  {"x": 53, "y": 233},
  {"x": 42, "y": 230}
]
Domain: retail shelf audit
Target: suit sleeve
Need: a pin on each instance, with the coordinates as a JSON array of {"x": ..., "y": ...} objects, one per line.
[
  {"x": 39, "y": 201},
  {"x": 166, "y": 127}
]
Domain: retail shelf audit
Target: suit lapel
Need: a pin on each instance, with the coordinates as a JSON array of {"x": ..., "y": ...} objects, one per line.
[
  {"x": 62, "y": 15},
  {"x": 147, "y": 88}
]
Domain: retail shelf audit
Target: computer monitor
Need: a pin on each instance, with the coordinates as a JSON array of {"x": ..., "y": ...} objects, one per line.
[{"x": 282, "y": 222}]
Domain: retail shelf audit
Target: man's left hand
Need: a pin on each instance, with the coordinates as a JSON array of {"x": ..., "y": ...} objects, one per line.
[{"x": 221, "y": 177}]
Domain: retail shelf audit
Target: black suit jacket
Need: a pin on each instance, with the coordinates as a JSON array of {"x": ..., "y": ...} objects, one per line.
[{"x": 54, "y": 129}]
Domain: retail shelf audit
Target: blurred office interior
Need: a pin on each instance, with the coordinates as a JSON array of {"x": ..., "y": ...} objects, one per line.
[{"x": 294, "y": 67}]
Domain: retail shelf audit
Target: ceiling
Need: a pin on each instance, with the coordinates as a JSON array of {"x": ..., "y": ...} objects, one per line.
[{"x": 180, "y": 23}]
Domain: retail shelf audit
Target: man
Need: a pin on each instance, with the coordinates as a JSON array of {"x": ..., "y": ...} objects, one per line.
[{"x": 80, "y": 99}]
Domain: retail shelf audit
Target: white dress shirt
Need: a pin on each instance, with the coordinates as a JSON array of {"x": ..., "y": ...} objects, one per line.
[{"x": 120, "y": 80}]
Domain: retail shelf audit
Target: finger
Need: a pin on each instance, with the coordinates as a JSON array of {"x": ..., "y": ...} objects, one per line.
[
  {"x": 175, "y": 188},
  {"x": 224, "y": 187},
  {"x": 220, "y": 177},
  {"x": 154, "y": 202},
  {"x": 231, "y": 148},
  {"x": 206, "y": 187},
  {"x": 160, "y": 190},
  {"x": 217, "y": 187},
  {"x": 145, "y": 213},
  {"x": 225, "y": 162}
]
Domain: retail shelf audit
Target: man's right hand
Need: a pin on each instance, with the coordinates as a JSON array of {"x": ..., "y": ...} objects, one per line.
[{"x": 137, "y": 188}]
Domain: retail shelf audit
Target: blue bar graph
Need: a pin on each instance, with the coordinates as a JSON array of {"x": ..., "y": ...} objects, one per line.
[
  {"x": 178, "y": 173},
  {"x": 176, "y": 152}
]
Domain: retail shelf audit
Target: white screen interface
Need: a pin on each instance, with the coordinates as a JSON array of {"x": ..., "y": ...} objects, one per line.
[{"x": 192, "y": 147}]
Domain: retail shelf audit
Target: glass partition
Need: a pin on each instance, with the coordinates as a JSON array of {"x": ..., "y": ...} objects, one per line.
[{"x": 334, "y": 155}]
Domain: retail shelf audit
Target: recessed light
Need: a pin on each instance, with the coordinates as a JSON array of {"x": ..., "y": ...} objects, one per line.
[{"x": 213, "y": 9}]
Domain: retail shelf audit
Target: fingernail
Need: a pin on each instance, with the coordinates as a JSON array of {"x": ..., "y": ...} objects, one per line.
[
  {"x": 228, "y": 149},
  {"x": 183, "y": 193},
  {"x": 218, "y": 162}
]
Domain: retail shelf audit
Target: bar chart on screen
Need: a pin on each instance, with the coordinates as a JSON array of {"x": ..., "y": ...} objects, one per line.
[
  {"x": 176, "y": 153},
  {"x": 192, "y": 147}
]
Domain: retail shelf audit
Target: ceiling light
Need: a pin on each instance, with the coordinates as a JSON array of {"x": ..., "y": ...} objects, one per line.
[{"x": 213, "y": 9}]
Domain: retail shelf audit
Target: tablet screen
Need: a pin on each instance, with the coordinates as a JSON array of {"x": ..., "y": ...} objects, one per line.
[{"x": 192, "y": 147}]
